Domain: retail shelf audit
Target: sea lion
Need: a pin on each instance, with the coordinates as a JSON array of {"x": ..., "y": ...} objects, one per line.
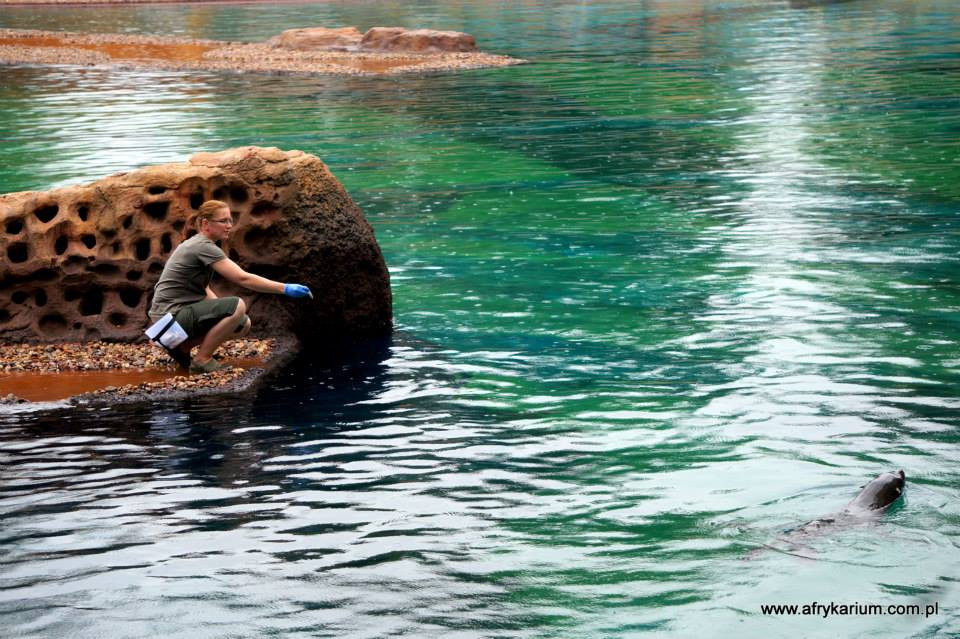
[
  {"x": 879, "y": 494},
  {"x": 873, "y": 499}
]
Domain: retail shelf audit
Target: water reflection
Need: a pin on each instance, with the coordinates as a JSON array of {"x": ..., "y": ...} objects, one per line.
[
  {"x": 107, "y": 130},
  {"x": 786, "y": 311}
]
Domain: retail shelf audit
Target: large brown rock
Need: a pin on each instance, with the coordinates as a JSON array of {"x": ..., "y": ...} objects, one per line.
[
  {"x": 397, "y": 39},
  {"x": 313, "y": 38},
  {"x": 80, "y": 262}
]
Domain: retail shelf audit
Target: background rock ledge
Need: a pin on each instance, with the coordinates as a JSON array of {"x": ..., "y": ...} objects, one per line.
[{"x": 80, "y": 262}]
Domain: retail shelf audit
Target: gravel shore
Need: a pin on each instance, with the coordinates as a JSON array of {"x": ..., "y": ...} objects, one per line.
[
  {"x": 20, "y": 46},
  {"x": 69, "y": 358},
  {"x": 93, "y": 356}
]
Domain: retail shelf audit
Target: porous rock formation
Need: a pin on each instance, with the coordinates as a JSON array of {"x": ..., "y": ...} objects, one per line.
[
  {"x": 312, "y": 38},
  {"x": 395, "y": 39},
  {"x": 376, "y": 39},
  {"x": 80, "y": 262}
]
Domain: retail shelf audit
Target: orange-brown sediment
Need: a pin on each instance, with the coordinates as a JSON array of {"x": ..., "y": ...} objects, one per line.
[
  {"x": 50, "y": 387},
  {"x": 52, "y": 372},
  {"x": 171, "y": 52}
]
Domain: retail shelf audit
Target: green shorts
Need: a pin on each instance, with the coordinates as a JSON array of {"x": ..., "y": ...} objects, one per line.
[{"x": 198, "y": 318}]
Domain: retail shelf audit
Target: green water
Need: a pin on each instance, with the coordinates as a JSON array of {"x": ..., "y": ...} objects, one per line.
[{"x": 684, "y": 282}]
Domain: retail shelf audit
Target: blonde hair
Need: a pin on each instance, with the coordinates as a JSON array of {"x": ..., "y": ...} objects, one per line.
[{"x": 206, "y": 212}]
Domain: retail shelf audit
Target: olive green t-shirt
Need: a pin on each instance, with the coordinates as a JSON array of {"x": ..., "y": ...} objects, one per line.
[{"x": 185, "y": 276}]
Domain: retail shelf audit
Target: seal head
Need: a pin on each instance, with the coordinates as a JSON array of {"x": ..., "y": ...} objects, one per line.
[{"x": 879, "y": 493}]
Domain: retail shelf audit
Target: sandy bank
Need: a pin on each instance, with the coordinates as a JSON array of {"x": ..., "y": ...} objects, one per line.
[{"x": 18, "y": 46}]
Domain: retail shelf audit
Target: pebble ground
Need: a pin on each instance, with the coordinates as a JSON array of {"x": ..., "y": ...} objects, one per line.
[{"x": 71, "y": 357}]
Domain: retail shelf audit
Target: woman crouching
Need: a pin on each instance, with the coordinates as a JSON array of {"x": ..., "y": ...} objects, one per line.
[{"x": 183, "y": 289}]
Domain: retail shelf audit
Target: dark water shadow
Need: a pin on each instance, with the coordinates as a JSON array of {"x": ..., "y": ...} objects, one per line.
[{"x": 217, "y": 438}]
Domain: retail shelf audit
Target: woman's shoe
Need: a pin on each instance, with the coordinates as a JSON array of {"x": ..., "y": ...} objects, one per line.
[
  {"x": 182, "y": 359},
  {"x": 208, "y": 366}
]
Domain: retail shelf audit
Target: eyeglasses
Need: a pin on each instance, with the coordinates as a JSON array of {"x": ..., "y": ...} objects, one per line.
[{"x": 226, "y": 221}]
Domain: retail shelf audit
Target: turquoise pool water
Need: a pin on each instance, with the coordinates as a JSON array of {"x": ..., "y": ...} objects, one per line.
[{"x": 685, "y": 282}]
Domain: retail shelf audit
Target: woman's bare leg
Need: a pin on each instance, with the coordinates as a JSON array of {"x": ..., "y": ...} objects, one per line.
[{"x": 220, "y": 333}]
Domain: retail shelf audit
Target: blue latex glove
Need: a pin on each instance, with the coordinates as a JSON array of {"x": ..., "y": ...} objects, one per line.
[{"x": 297, "y": 290}]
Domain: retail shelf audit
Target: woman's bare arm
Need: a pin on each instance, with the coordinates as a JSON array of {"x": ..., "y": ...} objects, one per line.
[{"x": 230, "y": 270}]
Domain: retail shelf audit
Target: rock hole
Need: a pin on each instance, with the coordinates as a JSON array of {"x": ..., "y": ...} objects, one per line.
[
  {"x": 53, "y": 323},
  {"x": 126, "y": 221},
  {"x": 47, "y": 213},
  {"x": 15, "y": 226},
  {"x": 89, "y": 240},
  {"x": 71, "y": 295},
  {"x": 142, "y": 248},
  {"x": 178, "y": 226},
  {"x": 77, "y": 326},
  {"x": 238, "y": 194},
  {"x": 262, "y": 208},
  {"x": 74, "y": 262},
  {"x": 156, "y": 190},
  {"x": 219, "y": 192},
  {"x": 18, "y": 252},
  {"x": 157, "y": 210},
  {"x": 269, "y": 271},
  {"x": 196, "y": 199},
  {"x": 60, "y": 246},
  {"x": 109, "y": 233},
  {"x": 83, "y": 211},
  {"x": 133, "y": 276},
  {"x": 165, "y": 243},
  {"x": 131, "y": 296},
  {"x": 40, "y": 297},
  {"x": 19, "y": 297},
  {"x": 155, "y": 268},
  {"x": 106, "y": 269},
  {"x": 117, "y": 319},
  {"x": 116, "y": 246},
  {"x": 4, "y": 316},
  {"x": 44, "y": 275},
  {"x": 92, "y": 302},
  {"x": 259, "y": 239}
]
